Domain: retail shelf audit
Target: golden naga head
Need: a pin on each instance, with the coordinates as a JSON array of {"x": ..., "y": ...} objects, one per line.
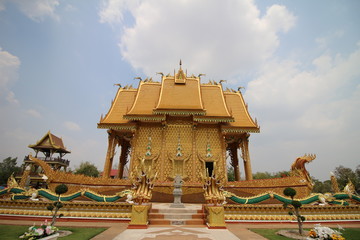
[
  {"x": 143, "y": 183},
  {"x": 349, "y": 188},
  {"x": 213, "y": 190},
  {"x": 11, "y": 182},
  {"x": 298, "y": 167}
]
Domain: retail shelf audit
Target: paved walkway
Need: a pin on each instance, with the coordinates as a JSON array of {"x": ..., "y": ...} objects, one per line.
[
  {"x": 119, "y": 231},
  {"x": 234, "y": 231}
]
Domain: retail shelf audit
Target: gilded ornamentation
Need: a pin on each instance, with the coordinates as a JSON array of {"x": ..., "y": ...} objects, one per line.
[
  {"x": 234, "y": 213},
  {"x": 334, "y": 183},
  {"x": 70, "y": 209},
  {"x": 213, "y": 190},
  {"x": 298, "y": 166},
  {"x": 139, "y": 215},
  {"x": 11, "y": 182},
  {"x": 143, "y": 184},
  {"x": 56, "y": 177},
  {"x": 179, "y": 161},
  {"x": 215, "y": 216},
  {"x": 325, "y": 198},
  {"x": 349, "y": 188},
  {"x": 25, "y": 178}
]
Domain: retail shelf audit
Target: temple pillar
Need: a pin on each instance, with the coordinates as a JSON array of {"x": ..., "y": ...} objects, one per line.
[
  {"x": 246, "y": 157},
  {"x": 235, "y": 161},
  {"x": 110, "y": 154},
  {"x": 125, "y": 146}
]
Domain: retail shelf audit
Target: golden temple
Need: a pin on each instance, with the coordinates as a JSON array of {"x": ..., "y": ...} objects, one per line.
[{"x": 180, "y": 126}]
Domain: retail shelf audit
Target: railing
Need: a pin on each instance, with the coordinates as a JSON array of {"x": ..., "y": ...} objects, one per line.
[{"x": 51, "y": 159}]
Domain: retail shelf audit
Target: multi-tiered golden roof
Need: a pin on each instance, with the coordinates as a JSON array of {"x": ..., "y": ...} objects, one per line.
[
  {"x": 179, "y": 95},
  {"x": 179, "y": 126}
]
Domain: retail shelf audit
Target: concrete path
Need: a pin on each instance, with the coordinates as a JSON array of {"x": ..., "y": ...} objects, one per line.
[
  {"x": 119, "y": 231},
  {"x": 176, "y": 232}
]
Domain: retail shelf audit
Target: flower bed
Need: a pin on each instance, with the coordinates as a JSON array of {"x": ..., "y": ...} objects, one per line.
[
  {"x": 42, "y": 232},
  {"x": 324, "y": 233}
]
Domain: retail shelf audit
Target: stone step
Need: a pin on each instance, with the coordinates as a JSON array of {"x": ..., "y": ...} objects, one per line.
[
  {"x": 164, "y": 214},
  {"x": 177, "y": 222},
  {"x": 175, "y": 210},
  {"x": 175, "y": 216}
]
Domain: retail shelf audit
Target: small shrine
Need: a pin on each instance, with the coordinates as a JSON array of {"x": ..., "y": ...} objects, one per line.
[{"x": 49, "y": 149}]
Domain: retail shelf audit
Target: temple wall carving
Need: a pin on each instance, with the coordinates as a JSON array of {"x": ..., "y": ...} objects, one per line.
[{"x": 179, "y": 147}]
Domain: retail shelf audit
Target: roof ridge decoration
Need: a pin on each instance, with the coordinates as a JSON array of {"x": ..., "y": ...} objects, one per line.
[{"x": 180, "y": 76}]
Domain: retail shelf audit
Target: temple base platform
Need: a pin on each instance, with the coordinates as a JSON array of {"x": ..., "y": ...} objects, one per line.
[{"x": 162, "y": 214}]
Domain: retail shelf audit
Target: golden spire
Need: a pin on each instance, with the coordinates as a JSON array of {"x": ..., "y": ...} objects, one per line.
[{"x": 180, "y": 76}]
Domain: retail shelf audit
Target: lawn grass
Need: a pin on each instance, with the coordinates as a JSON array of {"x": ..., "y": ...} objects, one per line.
[
  {"x": 351, "y": 233},
  {"x": 348, "y": 233},
  {"x": 11, "y": 232},
  {"x": 269, "y": 233}
]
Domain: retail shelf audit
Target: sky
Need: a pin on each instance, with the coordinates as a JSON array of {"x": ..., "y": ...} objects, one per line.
[{"x": 298, "y": 61}]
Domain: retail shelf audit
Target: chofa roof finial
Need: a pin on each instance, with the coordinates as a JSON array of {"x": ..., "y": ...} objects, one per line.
[{"x": 180, "y": 63}]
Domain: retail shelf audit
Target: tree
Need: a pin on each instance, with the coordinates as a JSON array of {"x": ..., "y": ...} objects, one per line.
[
  {"x": 321, "y": 187},
  {"x": 7, "y": 167},
  {"x": 262, "y": 175},
  {"x": 230, "y": 174},
  {"x": 294, "y": 207},
  {"x": 266, "y": 175},
  {"x": 88, "y": 169},
  {"x": 344, "y": 174},
  {"x": 55, "y": 207}
]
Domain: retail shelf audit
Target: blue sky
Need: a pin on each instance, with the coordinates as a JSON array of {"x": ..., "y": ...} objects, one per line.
[{"x": 298, "y": 61}]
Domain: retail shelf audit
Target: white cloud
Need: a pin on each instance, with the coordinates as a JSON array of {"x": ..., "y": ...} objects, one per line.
[
  {"x": 2, "y": 5},
  {"x": 10, "y": 98},
  {"x": 36, "y": 10},
  {"x": 33, "y": 113},
  {"x": 324, "y": 41},
  {"x": 9, "y": 65},
  {"x": 304, "y": 111},
  {"x": 279, "y": 18},
  {"x": 285, "y": 83},
  {"x": 223, "y": 39},
  {"x": 113, "y": 10},
  {"x": 72, "y": 126},
  {"x": 70, "y": 8}
]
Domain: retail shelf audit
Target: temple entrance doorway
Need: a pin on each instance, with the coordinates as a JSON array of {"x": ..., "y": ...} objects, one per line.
[{"x": 209, "y": 167}]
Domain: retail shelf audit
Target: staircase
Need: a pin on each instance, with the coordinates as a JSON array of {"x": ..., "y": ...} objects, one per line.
[{"x": 162, "y": 214}]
